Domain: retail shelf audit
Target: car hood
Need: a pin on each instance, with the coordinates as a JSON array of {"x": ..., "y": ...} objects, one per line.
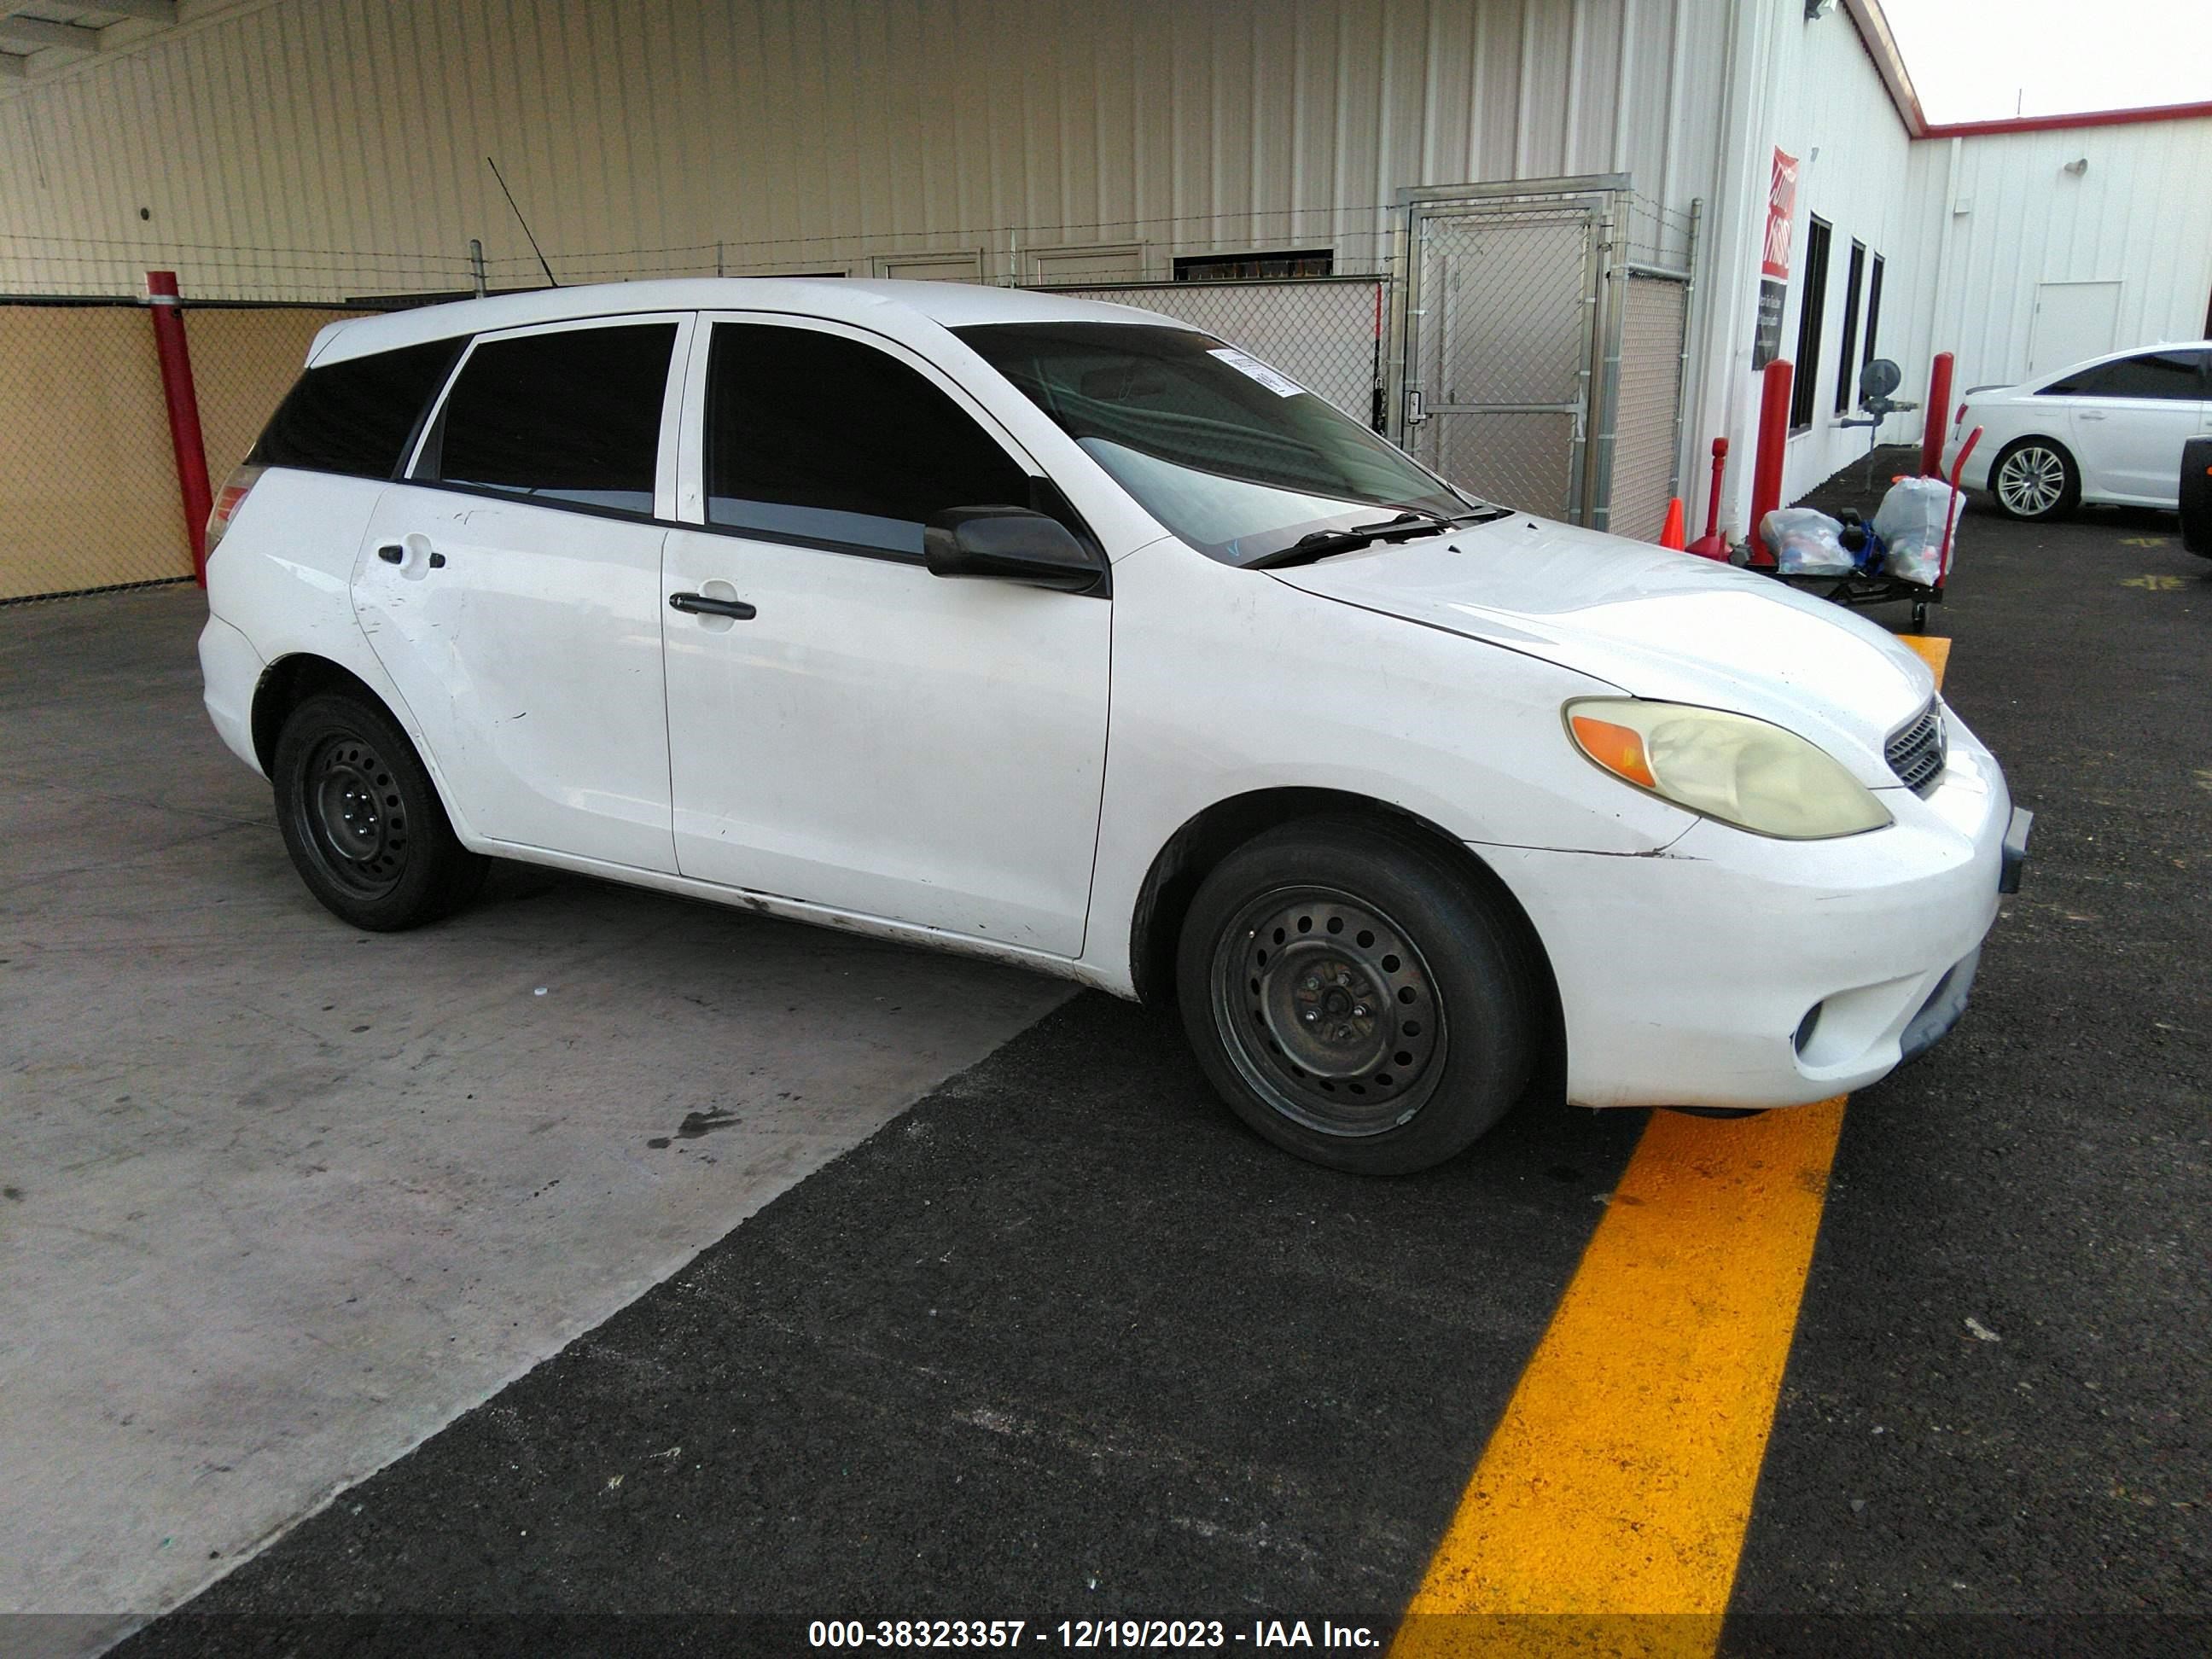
[{"x": 1654, "y": 623}]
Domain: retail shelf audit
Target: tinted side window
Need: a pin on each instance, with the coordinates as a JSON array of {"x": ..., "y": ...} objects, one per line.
[
  {"x": 816, "y": 438},
  {"x": 2175, "y": 374},
  {"x": 357, "y": 416},
  {"x": 573, "y": 416}
]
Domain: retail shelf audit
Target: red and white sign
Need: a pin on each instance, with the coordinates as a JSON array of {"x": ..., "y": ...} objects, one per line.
[{"x": 1781, "y": 205}]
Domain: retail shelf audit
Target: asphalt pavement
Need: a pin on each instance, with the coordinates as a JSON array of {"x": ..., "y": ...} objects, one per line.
[{"x": 1063, "y": 1342}]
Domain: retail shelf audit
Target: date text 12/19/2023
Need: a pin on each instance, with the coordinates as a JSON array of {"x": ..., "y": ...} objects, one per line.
[{"x": 1087, "y": 1634}]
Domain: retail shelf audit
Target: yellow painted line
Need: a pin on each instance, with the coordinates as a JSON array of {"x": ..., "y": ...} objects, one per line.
[{"x": 1608, "y": 1511}]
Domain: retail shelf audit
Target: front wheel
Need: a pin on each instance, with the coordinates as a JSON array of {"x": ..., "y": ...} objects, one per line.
[
  {"x": 362, "y": 821},
  {"x": 2034, "y": 479},
  {"x": 1356, "y": 996}
]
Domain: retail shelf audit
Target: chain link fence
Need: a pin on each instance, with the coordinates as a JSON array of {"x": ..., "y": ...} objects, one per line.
[
  {"x": 1325, "y": 332},
  {"x": 1495, "y": 339},
  {"x": 87, "y": 478},
  {"x": 88, "y": 492},
  {"x": 1500, "y": 350},
  {"x": 88, "y": 481},
  {"x": 50, "y": 267}
]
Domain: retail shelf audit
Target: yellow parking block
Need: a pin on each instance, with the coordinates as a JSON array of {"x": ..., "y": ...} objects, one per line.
[{"x": 1608, "y": 1511}]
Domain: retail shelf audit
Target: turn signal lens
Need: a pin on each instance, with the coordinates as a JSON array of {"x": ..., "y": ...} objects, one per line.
[
  {"x": 1742, "y": 771},
  {"x": 1619, "y": 749}
]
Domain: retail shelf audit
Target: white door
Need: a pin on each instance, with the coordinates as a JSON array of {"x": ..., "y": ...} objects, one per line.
[
  {"x": 2073, "y": 322},
  {"x": 511, "y": 588},
  {"x": 871, "y": 737},
  {"x": 2129, "y": 418}
]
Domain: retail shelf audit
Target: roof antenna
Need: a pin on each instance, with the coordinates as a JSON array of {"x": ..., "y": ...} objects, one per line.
[{"x": 552, "y": 281}]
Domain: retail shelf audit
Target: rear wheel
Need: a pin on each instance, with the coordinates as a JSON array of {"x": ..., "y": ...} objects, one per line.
[
  {"x": 1356, "y": 996},
  {"x": 2035, "y": 479},
  {"x": 365, "y": 828}
]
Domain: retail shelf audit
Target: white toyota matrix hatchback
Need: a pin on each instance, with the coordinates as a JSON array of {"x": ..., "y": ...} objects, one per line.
[{"x": 1065, "y": 635}]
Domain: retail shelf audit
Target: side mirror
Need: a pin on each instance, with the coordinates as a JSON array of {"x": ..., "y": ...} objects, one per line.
[{"x": 1009, "y": 543}]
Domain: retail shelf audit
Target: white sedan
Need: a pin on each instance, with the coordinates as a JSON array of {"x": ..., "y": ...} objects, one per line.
[
  {"x": 2108, "y": 431},
  {"x": 1063, "y": 634}
]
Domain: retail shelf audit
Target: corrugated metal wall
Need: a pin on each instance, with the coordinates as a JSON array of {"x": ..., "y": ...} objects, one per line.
[
  {"x": 2002, "y": 216},
  {"x": 344, "y": 143}
]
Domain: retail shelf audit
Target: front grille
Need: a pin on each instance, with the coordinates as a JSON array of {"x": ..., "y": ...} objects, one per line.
[{"x": 1916, "y": 753}]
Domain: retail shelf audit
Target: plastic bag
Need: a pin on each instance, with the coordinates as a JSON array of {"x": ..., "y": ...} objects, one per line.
[
  {"x": 1910, "y": 523},
  {"x": 1806, "y": 542}
]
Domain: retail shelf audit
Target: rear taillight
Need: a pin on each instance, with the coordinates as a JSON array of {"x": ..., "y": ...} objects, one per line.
[
  {"x": 227, "y": 501},
  {"x": 1959, "y": 419}
]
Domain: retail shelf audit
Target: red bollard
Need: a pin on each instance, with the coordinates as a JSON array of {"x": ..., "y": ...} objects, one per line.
[
  {"x": 184, "y": 412},
  {"x": 1712, "y": 544},
  {"x": 1766, "y": 463},
  {"x": 1937, "y": 416}
]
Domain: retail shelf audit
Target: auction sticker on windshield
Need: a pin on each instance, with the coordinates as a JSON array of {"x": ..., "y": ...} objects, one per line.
[{"x": 1281, "y": 385}]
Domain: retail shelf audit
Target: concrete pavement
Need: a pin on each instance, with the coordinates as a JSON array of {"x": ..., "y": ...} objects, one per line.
[{"x": 282, "y": 1198}]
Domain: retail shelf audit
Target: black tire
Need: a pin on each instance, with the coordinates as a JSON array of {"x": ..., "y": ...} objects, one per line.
[
  {"x": 1393, "y": 1018},
  {"x": 365, "y": 828},
  {"x": 2195, "y": 499},
  {"x": 2035, "y": 480}
]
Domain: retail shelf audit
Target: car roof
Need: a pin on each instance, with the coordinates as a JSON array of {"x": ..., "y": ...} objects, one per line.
[{"x": 891, "y": 307}]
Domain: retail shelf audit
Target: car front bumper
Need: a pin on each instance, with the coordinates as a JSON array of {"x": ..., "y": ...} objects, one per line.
[{"x": 1730, "y": 970}]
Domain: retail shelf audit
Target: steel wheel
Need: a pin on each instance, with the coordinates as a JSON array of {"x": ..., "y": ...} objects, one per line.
[
  {"x": 353, "y": 818},
  {"x": 2032, "y": 480},
  {"x": 1329, "y": 1010},
  {"x": 361, "y": 819}
]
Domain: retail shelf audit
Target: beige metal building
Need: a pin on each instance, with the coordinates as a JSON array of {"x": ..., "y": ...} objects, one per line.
[{"x": 1524, "y": 236}]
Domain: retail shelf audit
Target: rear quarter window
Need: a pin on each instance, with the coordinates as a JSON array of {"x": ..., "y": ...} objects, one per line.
[{"x": 356, "y": 416}]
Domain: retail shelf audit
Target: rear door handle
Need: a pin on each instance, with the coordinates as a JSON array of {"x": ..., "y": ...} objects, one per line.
[
  {"x": 396, "y": 553},
  {"x": 698, "y": 605}
]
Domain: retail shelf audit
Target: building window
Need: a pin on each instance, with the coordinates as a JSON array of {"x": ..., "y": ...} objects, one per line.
[
  {"x": 1873, "y": 313},
  {"x": 1810, "y": 309},
  {"x": 1847, "y": 359},
  {"x": 1254, "y": 267}
]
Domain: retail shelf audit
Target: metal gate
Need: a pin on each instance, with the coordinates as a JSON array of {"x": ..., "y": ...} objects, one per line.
[
  {"x": 1509, "y": 370},
  {"x": 1498, "y": 336}
]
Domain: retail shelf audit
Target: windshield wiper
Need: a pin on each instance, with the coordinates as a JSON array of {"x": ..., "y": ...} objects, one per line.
[{"x": 1320, "y": 543}]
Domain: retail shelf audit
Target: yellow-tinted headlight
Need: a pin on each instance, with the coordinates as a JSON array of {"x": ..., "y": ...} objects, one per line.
[{"x": 1742, "y": 771}]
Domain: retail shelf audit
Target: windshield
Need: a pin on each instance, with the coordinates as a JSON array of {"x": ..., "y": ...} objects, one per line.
[{"x": 1237, "y": 459}]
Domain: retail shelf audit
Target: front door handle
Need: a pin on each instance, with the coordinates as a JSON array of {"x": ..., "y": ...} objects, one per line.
[
  {"x": 698, "y": 605},
  {"x": 396, "y": 553}
]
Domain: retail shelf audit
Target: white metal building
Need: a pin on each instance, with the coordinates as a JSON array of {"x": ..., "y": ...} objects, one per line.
[{"x": 1555, "y": 210}]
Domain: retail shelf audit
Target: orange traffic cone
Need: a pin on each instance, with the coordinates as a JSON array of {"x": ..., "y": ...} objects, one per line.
[{"x": 1670, "y": 534}]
